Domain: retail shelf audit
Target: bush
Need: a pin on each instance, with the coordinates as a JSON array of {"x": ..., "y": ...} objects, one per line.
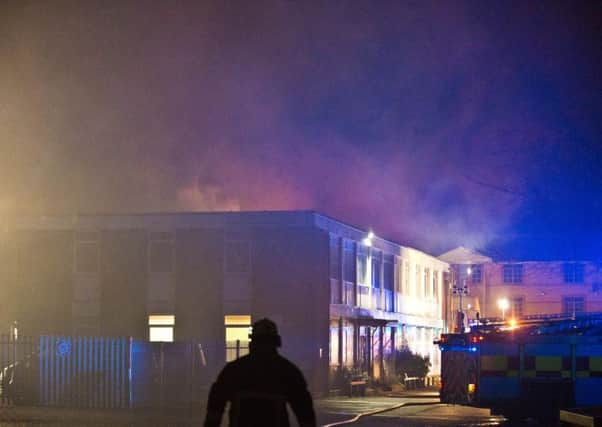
[{"x": 413, "y": 364}]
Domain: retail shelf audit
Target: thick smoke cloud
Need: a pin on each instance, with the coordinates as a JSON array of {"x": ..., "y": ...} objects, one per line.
[{"x": 436, "y": 124}]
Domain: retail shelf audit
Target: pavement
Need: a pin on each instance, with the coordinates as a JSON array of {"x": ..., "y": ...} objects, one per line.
[{"x": 333, "y": 411}]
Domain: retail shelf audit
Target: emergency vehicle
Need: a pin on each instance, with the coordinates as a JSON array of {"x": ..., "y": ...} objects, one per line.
[{"x": 530, "y": 367}]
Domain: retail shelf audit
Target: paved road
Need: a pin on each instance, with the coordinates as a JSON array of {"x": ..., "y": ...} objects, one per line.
[
  {"x": 416, "y": 412},
  {"x": 429, "y": 413}
]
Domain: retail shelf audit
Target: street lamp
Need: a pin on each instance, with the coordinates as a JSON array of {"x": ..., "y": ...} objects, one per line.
[
  {"x": 461, "y": 291},
  {"x": 503, "y": 305}
]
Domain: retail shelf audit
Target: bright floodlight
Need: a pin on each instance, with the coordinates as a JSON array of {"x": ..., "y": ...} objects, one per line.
[
  {"x": 503, "y": 304},
  {"x": 370, "y": 235},
  {"x": 367, "y": 242},
  {"x": 469, "y": 271}
]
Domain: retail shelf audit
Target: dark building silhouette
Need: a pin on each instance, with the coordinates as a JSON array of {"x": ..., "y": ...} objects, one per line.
[{"x": 341, "y": 296}]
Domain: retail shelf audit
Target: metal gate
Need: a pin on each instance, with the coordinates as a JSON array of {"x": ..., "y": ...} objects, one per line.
[
  {"x": 18, "y": 370},
  {"x": 168, "y": 374}
]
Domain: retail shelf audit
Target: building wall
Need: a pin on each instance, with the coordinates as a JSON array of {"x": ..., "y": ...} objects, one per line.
[
  {"x": 101, "y": 275},
  {"x": 36, "y": 286},
  {"x": 541, "y": 290},
  {"x": 543, "y": 287},
  {"x": 96, "y": 277},
  {"x": 371, "y": 318},
  {"x": 290, "y": 285}
]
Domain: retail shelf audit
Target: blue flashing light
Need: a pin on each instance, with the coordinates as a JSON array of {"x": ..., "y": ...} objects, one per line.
[{"x": 464, "y": 349}]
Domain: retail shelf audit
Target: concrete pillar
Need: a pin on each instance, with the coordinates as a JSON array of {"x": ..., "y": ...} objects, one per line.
[
  {"x": 381, "y": 357},
  {"x": 340, "y": 355}
]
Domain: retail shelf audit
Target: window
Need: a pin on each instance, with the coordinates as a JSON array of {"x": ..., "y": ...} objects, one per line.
[
  {"x": 573, "y": 305},
  {"x": 513, "y": 273},
  {"x": 362, "y": 266},
  {"x": 389, "y": 273},
  {"x": 161, "y": 253},
  {"x": 349, "y": 261},
  {"x": 406, "y": 278},
  {"x": 87, "y": 252},
  {"x": 516, "y": 306},
  {"x": 436, "y": 285},
  {"x": 477, "y": 273},
  {"x": 427, "y": 282},
  {"x": 161, "y": 327},
  {"x": 335, "y": 257},
  {"x": 376, "y": 257},
  {"x": 418, "y": 279},
  {"x": 596, "y": 287},
  {"x": 238, "y": 258},
  {"x": 238, "y": 328},
  {"x": 574, "y": 272}
]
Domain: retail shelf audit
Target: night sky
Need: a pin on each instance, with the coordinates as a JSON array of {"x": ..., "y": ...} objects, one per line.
[{"x": 436, "y": 124}]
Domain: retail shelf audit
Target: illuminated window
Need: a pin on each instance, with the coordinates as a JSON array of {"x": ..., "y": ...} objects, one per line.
[
  {"x": 574, "y": 272},
  {"x": 436, "y": 285},
  {"x": 427, "y": 282},
  {"x": 406, "y": 278},
  {"x": 238, "y": 328},
  {"x": 161, "y": 252},
  {"x": 512, "y": 273},
  {"x": 417, "y": 286},
  {"x": 334, "y": 345},
  {"x": 362, "y": 266},
  {"x": 87, "y": 252},
  {"x": 160, "y": 327}
]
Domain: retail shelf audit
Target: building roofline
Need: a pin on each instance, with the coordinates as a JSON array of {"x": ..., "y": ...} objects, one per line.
[{"x": 305, "y": 217}]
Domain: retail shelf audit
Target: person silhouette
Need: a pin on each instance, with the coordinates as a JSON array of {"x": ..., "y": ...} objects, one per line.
[{"x": 259, "y": 385}]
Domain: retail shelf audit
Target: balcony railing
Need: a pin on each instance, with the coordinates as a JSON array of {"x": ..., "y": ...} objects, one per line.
[
  {"x": 363, "y": 296},
  {"x": 349, "y": 294},
  {"x": 376, "y": 303},
  {"x": 389, "y": 305}
]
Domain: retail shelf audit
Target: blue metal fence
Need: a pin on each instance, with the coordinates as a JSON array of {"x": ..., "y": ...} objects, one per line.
[{"x": 84, "y": 371}]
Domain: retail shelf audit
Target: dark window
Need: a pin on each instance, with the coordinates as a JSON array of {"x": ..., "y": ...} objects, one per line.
[
  {"x": 238, "y": 258},
  {"x": 335, "y": 257},
  {"x": 574, "y": 272},
  {"x": 348, "y": 261},
  {"x": 596, "y": 287},
  {"x": 477, "y": 273},
  {"x": 573, "y": 305},
  {"x": 376, "y": 270},
  {"x": 161, "y": 256},
  {"x": 513, "y": 273},
  {"x": 516, "y": 306},
  {"x": 86, "y": 257},
  {"x": 389, "y": 273}
]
